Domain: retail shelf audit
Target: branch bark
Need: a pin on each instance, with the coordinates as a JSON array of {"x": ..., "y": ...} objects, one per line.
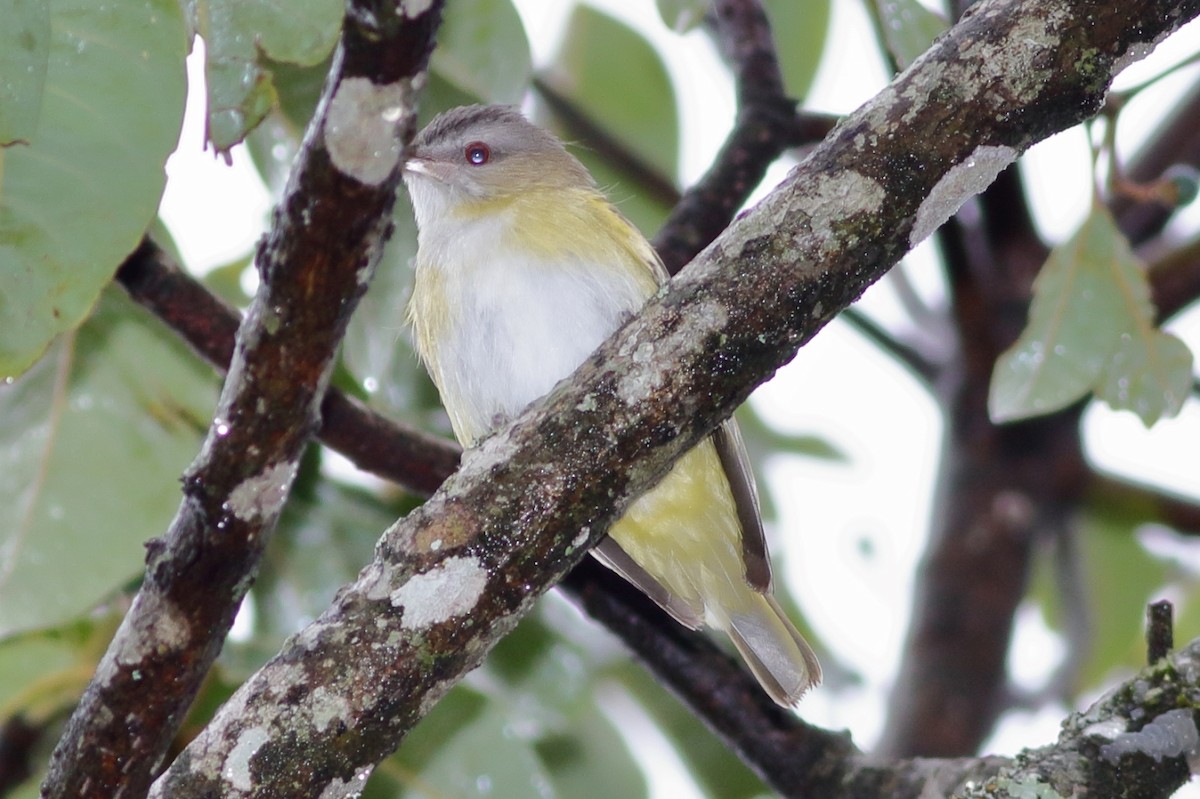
[
  {"x": 409, "y": 457},
  {"x": 452, "y": 578},
  {"x": 315, "y": 264}
]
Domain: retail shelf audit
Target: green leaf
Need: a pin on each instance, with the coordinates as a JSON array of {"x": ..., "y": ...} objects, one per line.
[
  {"x": 536, "y": 675},
  {"x": 24, "y": 55},
  {"x": 92, "y": 442},
  {"x": 240, "y": 35},
  {"x": 1091, "y": 327},
  {"x": 1150, "y": 375},
  {"x": 43, "y": 673},
  {"x": 76, "y": 200},
  {"x": 528, "y": 723},
  {"x": 799, "y": 28},
  {"x": 710, "y": 762},
  {"x": 682, "y": 15},
  {"x": 908, "y": 28},
  {"x": 619, "y": 82},
  {"x": 482, "y": 49},
  {"x": 464, "y": 748}
]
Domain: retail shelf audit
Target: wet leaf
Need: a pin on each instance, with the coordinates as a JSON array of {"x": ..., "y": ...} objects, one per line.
[
  {"x": 78, "y": 198},
  {"x": 92, "y": 442},
  {"x": 24, "y": 56},
  {"x": 799, "y": 28},
  {"x": 465, "y": 748},
  {"x": 619, "y": 82},
  {"x": 240, "y": 35},
  {"x": 682, "y": 15},
  {"x": 908, "y": 29},
  {"x": 1091, "y": 328},
  {"x": 1150, "y": 375},
  {"x": 482, "y": 49}
]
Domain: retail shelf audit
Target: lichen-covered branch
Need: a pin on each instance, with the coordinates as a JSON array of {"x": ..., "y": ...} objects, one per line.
[
  {"x": 1135, "y": 743},
  {"x": 453, "y": 577},
  {"x": 315, "y": 264}
]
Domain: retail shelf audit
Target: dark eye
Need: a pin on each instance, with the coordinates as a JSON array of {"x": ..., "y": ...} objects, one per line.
[{"x": 477, "y": 153}]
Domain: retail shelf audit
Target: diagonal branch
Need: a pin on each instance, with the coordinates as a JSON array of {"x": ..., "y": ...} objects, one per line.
[
  {"x": 315, "y": 264},
  {"x": 452, "y": 578}
]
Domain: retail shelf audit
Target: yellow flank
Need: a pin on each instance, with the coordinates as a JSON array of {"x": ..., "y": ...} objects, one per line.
[{"x": 685, "y": 534}]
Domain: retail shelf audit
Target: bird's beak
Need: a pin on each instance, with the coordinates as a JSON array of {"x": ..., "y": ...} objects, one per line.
[{"x": 420, "y": 165}]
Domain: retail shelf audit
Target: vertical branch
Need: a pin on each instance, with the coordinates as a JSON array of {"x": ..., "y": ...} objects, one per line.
[
  {"x": 767, "y": 124},
  {"x": 1002, "y": 488},
  {"x": 315, "y": 264}
]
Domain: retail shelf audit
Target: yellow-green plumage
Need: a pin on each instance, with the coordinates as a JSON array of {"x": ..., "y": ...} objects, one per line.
[{"x": 523, "y": 269}]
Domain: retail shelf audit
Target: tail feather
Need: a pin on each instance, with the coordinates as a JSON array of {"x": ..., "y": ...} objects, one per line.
[{"x": 778, "y": 656}]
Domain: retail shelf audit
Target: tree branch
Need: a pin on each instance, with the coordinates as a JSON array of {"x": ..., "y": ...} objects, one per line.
[
  {"x": 1175, "y": 279},
  {"x": 997, "y": 497},
  {"x": 454, "y": 576},
  {"x": 1135, "y": 743},
  {"x": 315, "y": 264},
  {"x": 767, "y": 124},
  {"x": 409, "y": 457}
]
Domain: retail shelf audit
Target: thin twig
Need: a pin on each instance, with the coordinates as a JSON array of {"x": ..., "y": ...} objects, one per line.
[
  {"x": 885, "y": 341},
  {"x": 1160, "y": 630}
]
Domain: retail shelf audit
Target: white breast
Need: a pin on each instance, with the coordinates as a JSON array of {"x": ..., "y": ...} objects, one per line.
[{"x": 519, "y": 326}]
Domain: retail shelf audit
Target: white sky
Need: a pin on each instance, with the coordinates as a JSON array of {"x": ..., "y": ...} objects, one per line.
[{"x": 878, "y": 502}]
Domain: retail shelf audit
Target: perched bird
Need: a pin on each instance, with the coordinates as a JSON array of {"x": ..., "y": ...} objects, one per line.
[{"x": 523, "y": 268}]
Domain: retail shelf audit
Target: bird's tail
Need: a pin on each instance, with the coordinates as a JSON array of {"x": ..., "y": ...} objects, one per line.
[{"x": 776, "y": 653}]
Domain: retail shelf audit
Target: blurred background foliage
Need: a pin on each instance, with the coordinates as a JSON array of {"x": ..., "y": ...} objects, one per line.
[{"x": 103, "y": 408}]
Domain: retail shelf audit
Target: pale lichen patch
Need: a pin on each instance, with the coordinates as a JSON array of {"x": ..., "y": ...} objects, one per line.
[
  {"x": 412, "y": 8},
  {"x": 347, "y": 789},
  {"x": 263, "y": 494},
  {"x": 581, "y": 538},
  {"x": 452, "y": 588},
  {"x": 835, "y": 197},
  {"x": 1136, "y": 52},
  {"x": 1172, "y": 734},
  {"x": 361, "y": 130},
  {"x": 236, "y": 768},
  {"x": 166, "y": 630},
  {"x": 960, "y": 183},
  {"x": 327, "y": 708},
  {"x": 643, "y": 376}
]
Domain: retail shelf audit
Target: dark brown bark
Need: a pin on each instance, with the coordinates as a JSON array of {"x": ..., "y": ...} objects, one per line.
[{"x": 315, "y": 262}]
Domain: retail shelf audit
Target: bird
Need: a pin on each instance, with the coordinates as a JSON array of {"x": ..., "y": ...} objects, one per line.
[{"x": 523, "y": 269}]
